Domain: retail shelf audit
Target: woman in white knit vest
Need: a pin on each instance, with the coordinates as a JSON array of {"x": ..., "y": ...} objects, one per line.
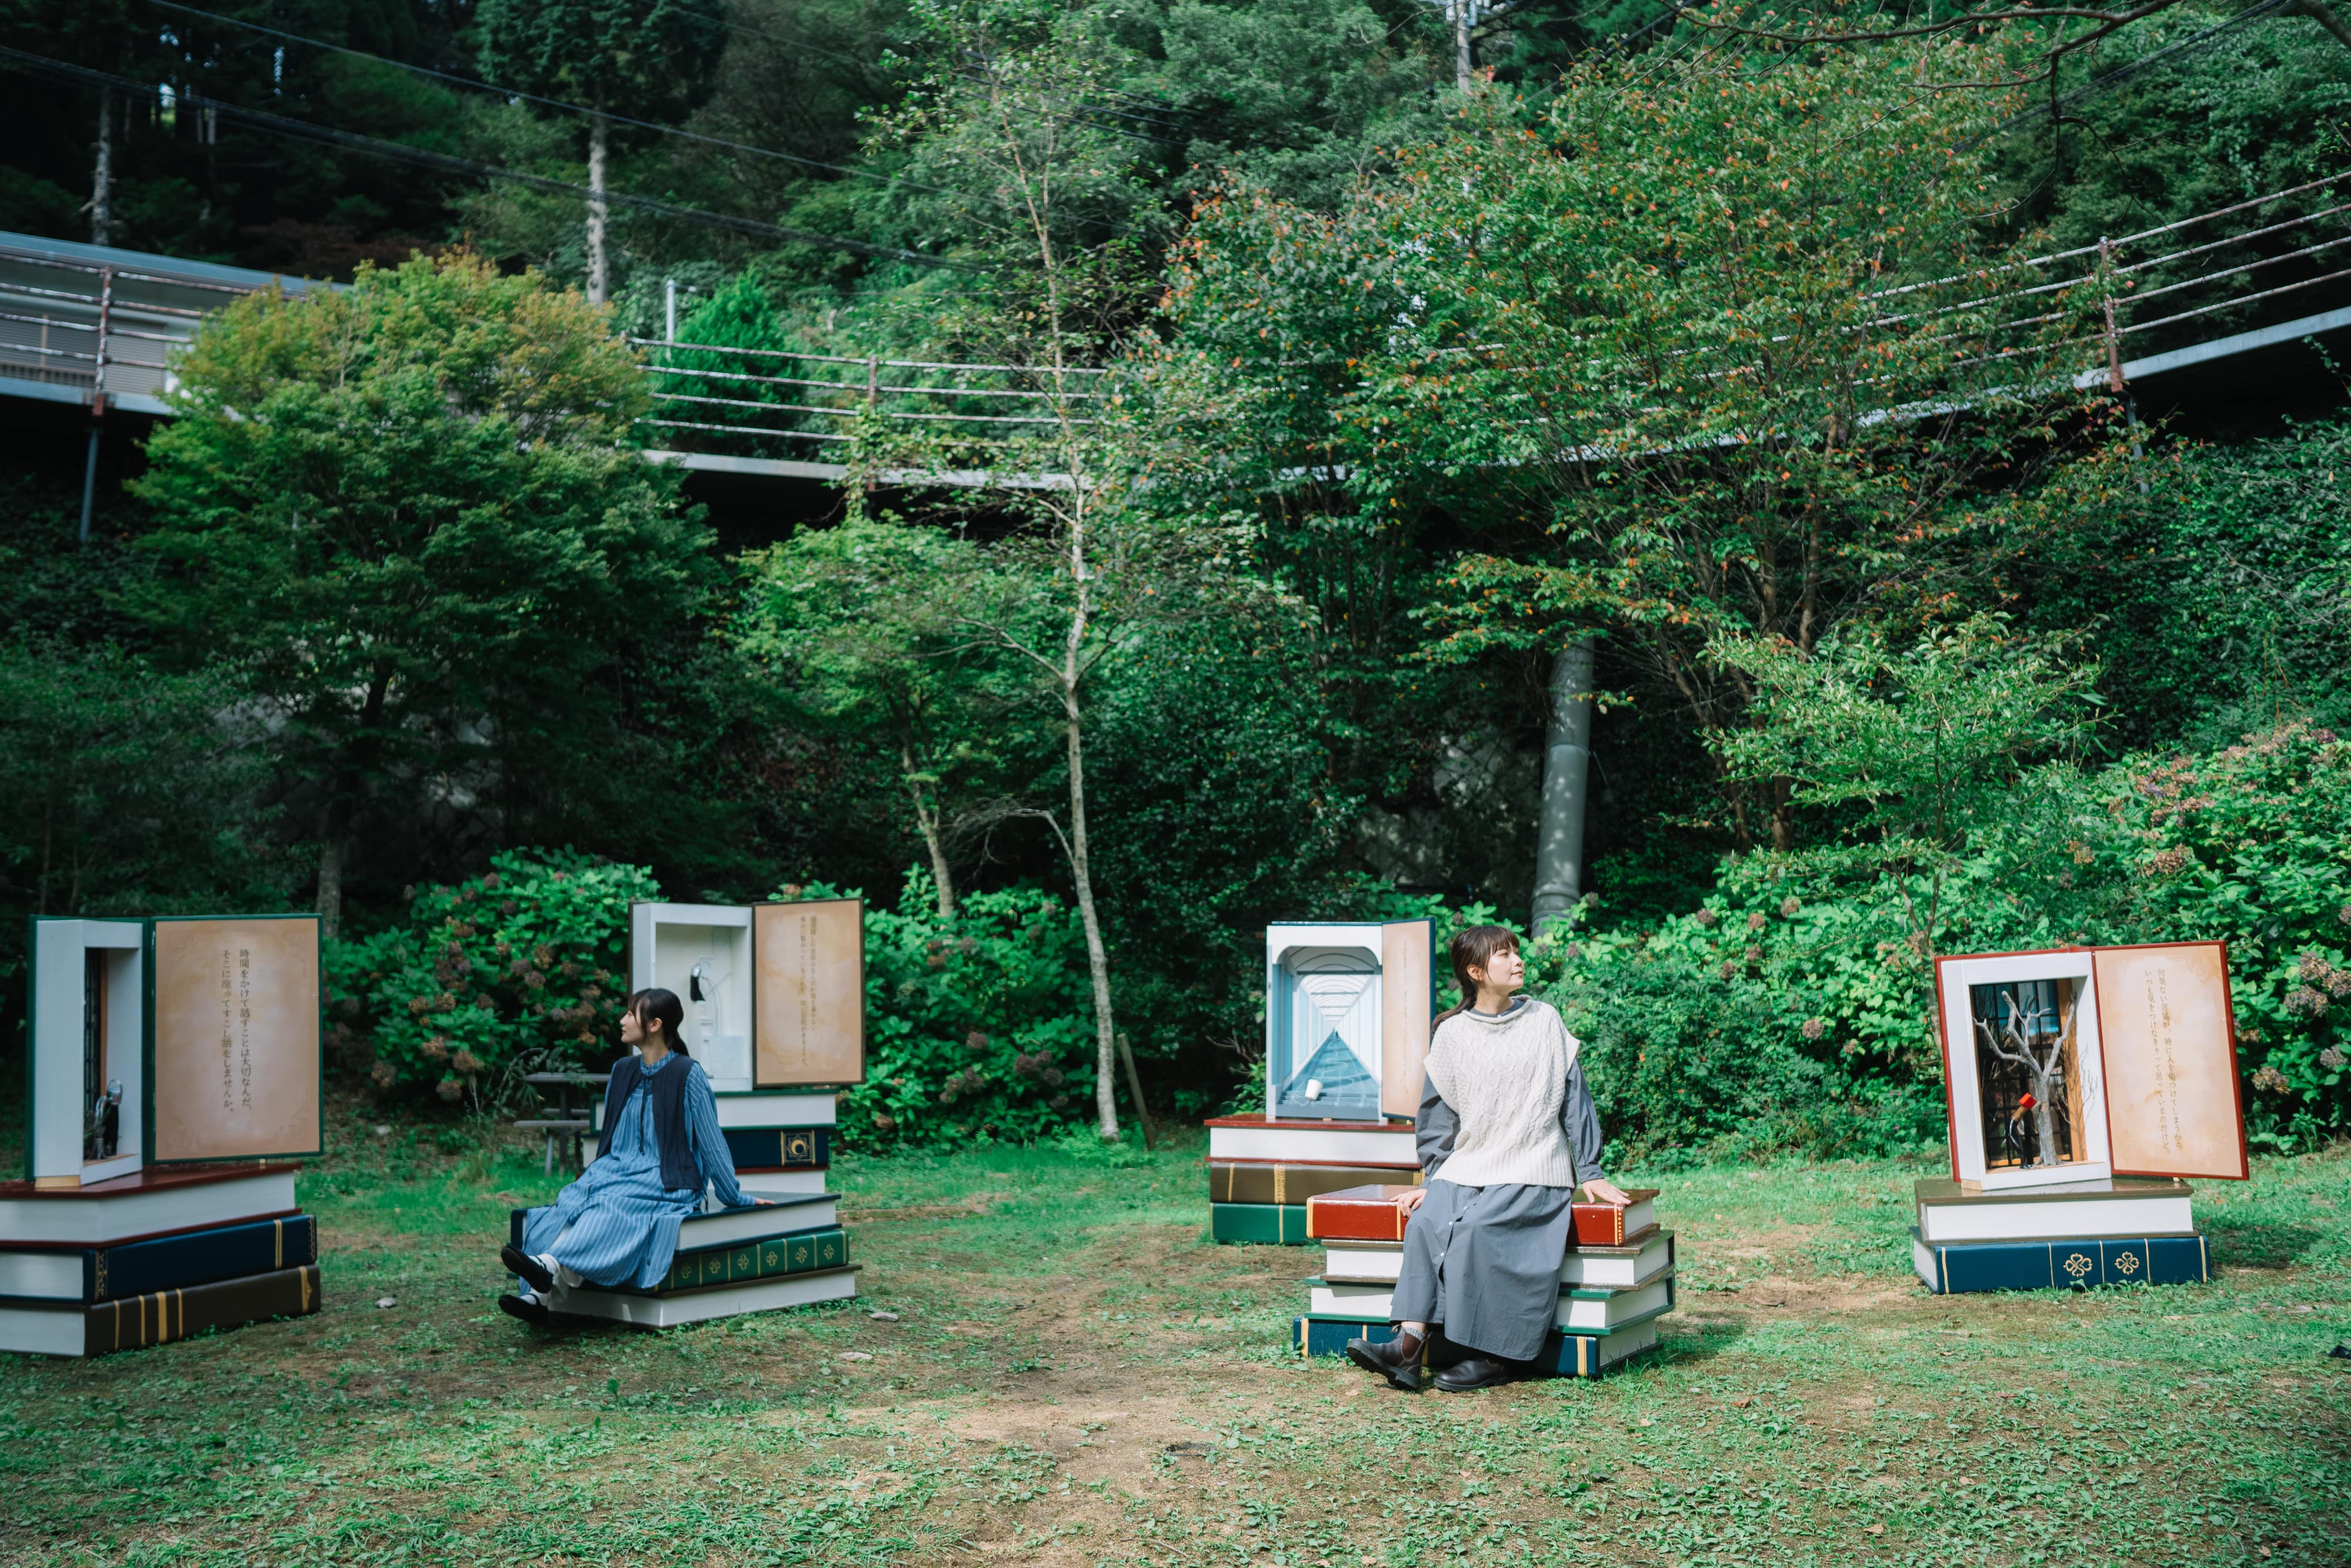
[{"x": 1507, "y": 1133}]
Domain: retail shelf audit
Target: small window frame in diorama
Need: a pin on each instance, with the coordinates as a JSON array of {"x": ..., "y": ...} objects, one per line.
[
  {"x": 2147, "y": 1020},
  {"x": 59, "y": 1009}
]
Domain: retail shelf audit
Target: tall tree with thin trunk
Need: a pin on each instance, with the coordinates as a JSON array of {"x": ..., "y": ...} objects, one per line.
[
  {"x": 637, "y": 59},
  {"x": 101, "y": 179},
  {"x": 1047, "y": 197}
]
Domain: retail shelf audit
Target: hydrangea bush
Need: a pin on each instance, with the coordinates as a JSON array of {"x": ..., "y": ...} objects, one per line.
[{"x": 521, "y": 970}]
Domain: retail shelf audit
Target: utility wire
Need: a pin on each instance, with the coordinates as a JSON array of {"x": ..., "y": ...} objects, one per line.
[
  {"x": 450, "y": 163},
  {"x": 513, "y": 93}
]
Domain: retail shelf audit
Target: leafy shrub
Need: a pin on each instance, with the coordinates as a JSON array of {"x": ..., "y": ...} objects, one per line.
[
  {"x": 1688, "y": 1063},
  {"x": 521, "y": 970},
  {"x": 2250, "y": 845},
  {"x": 978, "y": 1027}
]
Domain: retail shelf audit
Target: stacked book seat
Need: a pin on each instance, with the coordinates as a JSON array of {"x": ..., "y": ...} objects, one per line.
[
  {"x": 1615, "y": 1280},
  {"x": 1263, "y": 1171},
  {"x": 731, "y": 1262},
  {"x": 2121, "y": 1231},
  {"x": 151, "y": 1257}
]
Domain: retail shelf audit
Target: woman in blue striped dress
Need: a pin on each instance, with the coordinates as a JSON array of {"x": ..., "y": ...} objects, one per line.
[{"x": 617, "y": 1224}]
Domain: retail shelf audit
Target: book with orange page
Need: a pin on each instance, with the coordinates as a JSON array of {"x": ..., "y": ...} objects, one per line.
[{"x": 1370, "y": 1214}]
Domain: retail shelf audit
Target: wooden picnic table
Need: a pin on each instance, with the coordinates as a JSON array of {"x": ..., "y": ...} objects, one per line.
[{"x": 568, "y": 1123}]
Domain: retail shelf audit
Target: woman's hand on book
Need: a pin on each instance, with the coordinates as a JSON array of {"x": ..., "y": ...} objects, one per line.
[
  {"x": 1408, "y": 1201},
  {"x": 1606, "y": 1192},
  {"x": 763, "y": 1203}
]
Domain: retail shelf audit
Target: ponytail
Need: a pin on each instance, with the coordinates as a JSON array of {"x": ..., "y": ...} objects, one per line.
[{"x": 1473, "y": 948}]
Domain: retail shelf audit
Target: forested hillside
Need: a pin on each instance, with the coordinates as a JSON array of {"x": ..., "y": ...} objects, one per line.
[{"x": 1317, "y": 386}]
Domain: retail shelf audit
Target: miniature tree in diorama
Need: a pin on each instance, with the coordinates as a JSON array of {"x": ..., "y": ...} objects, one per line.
[{"x": 2032, "y": 1038}]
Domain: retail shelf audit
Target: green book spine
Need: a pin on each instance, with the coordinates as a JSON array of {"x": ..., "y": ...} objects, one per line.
[
  {"x": 1268, "y": 1224},
  {"x": 803, "y": 1253},
  {"x": 1961, "y": 1267}
]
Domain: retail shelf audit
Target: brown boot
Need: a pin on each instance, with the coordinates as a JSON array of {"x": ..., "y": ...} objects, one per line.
[
  {"x": 1478, "y": 1372},
  {"x": 1397, "y": 1358}
]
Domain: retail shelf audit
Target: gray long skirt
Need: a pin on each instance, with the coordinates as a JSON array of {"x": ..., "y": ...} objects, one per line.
[{"x": 1483, "y": 1263}]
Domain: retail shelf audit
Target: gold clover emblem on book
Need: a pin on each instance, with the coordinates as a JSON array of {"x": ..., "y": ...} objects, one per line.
[
  {"x": 2078, "y": 1264},
  {"x": 2128, "y": 1263}
]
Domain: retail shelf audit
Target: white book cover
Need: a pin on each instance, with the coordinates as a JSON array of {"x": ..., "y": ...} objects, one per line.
[
  {"x": 2058, "y": 1219},
  {"x": 1362, "y": 1262},
  {"x": 1619, "y": 1267},
  {"x": 1922, "y": 1263},
  {"x": 1627, "y": 1342},
  {"x": 1346, "y": 1299},
  {"x": 52, "y": 1276},
  {"x": 1584, "y": 1310},
  {"x": 44, "y": 1331},
  {"x": 91, "y": 1219},
  {"x": 718, "y": 1301},
  {"x": 1336, "y": 1142},
  {"x": 780, "y": 1184},
  {"x": 802, "y": 1211},
  {"x": 766, "y": 1108}
]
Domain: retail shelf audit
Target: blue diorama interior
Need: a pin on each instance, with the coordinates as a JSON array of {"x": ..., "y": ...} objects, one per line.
[{"x": 1323, "y": 1022}]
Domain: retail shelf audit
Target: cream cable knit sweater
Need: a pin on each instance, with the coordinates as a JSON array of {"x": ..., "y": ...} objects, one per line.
[{"x": 1505, "y": 1077}]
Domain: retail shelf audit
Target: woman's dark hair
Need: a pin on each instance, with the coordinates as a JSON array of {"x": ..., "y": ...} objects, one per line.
[
  {"x": 653, "y": 1004},
  {"x": 1473, "y": 948}
]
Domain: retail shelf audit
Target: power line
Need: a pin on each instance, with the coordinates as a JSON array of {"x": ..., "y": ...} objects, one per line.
[
  {"x": 512, "y": 93},
  {"x": 450, "y": 163}
]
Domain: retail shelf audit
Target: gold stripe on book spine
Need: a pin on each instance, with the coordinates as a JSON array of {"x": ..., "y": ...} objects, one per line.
[
  {"x": 1280, "y": 1184},
  {"x": 98, "y": 1292},
  {"x": 278, "y": 1232}
]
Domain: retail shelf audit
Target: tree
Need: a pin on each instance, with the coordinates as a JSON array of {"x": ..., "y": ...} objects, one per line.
[
  {"x": 1910, "y": 754},
  {"x": 850, "y": 622},
  {"x": 640, "y": 61},
  {"x": 412, "y": 517},
  {"x": 1025, "y": 178},
  {"x": 1708, "y": 349}
]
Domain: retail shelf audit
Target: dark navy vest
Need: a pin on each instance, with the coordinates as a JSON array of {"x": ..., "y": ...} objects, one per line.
[{"x": 667, "y": 1089}]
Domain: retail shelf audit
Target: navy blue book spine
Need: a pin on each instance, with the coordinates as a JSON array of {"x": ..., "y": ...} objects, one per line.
[
  {"x": 198, "y": 1258},
  {"x": 787, "y": 1148},
  {"x": 1961, "y": 1267}
]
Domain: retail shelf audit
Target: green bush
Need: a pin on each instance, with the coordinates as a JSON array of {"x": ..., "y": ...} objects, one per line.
[
  {"x": 979, "y": 1027},
  {"x": 2250, "y": 845},
  {"x": 521, "y": 970}
]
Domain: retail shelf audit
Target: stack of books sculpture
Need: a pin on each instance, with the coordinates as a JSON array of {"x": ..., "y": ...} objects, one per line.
[
  {"x": 171, "y": 1062},
  {"x": 1615, "y": 1280},
  {"x": 775, "y": 1011},
  {"x": 2083, "y": 1086},
  {"x": 1347, "y": 1015}
]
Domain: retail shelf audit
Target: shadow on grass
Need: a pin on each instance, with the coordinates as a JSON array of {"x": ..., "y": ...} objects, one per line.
[
  {"x": 2238, "y": 1244},
  {"x": 1679, "y": 1345}
]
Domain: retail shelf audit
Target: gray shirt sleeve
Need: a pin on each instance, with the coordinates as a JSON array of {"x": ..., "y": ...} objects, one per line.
[
  {"x": 1434, "y": 1130},
  {"x": 1579, "y": 1118}
]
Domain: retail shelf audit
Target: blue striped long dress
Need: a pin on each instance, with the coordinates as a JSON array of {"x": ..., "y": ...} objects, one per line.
[{"x": 616, "y": 1224}]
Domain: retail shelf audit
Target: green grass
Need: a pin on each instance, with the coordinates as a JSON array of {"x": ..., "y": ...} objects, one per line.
[{"x": 1076, "y": 1377}]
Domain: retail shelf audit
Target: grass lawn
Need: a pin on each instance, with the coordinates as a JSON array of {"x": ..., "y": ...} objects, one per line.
[{"x": 1074, "y": 1376}]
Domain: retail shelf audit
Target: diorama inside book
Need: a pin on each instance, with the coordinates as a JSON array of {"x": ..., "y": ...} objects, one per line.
[
  {"x": 171, "y": 1040},
  {"x": 2081, "y": 1064},
  {"x": 1347, "y": 1019},
  {"x": 167, "y": 1059},
  {"x": 774, "y": 993}
]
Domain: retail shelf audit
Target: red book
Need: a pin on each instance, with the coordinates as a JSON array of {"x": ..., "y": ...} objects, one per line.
[{"x": 1370, "y": 1214}]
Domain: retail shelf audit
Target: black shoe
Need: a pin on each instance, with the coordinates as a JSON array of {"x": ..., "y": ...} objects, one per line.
[
  {"x": 535, "y": 1313},
  {"x": 1398, "y": 1359},
  {"x": 534, "y": 1272},
  {"x": 1478, "y": 1372}
]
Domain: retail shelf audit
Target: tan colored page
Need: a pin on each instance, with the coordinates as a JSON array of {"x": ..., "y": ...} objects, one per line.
[
  {"x": 237, "y": 1039},
  {"x": 1404, "y": 1015},
  {"x": 2171, "y": 1058},
  {"x": 808, "y": 993}
]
